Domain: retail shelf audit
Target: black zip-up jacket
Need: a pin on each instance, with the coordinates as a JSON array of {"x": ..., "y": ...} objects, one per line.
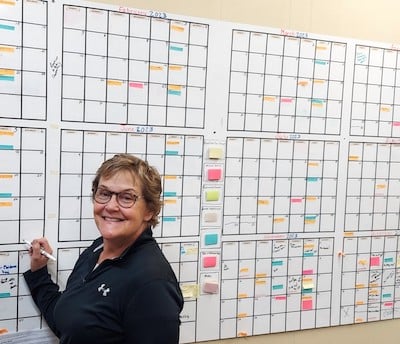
[{"x": 133, "y": 299}]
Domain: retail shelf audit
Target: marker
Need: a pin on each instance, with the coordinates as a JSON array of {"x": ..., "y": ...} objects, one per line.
[{"x": 42, "y": 251}]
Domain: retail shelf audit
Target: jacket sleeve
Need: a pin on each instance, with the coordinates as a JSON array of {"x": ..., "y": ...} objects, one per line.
[
  {"x": 44, "y": 292},
  {"x": 152, "y": 315}
]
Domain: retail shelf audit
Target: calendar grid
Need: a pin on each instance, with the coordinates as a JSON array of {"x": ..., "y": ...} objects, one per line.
[
  {"x": 151, "y": 71},
  {"x": 370, "y": 286},
  {"x": 376, "y": 92},
  {"x": 285, "y": 84},
  {"x": 280, "y": 186}
]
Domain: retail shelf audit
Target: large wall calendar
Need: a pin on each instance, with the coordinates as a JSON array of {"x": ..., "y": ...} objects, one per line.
[{"x": 279, "y": 153}]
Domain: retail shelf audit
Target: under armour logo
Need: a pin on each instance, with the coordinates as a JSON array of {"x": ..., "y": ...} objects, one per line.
[{"x": 103, "y": 289}]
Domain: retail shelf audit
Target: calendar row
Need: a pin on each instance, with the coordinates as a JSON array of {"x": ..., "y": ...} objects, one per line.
[
  {"x": 375, "y": 112},
  {"x": 25, "y": 139},
  {"x": 299, "y": 108},
  {"x": 375, "y": 267},
  {"x": 118, "y": 23},
  {"x": 153, "y": 94},
  {"x": 22, "y": 58},
  {"x": 121, "y": 48},
  {"x": 370, "y": 151},
  {"x": 16, "y": 33},
  {"x": 285, "y": 86},
  {"x": 293, "y": 268},
  {"x": 77, "y": 110},
  {"x": 23, "y": 83},
  {"x": 289, "y": 205},
  {"x": 371, "y": 187},
  {"x": 371, "y": 221},
  {"x": 140, "y": 72},
  {"x": 249, "y": 249},
  {"x": 88, "y": 163},
  {"x": 375, "y": 56},
  {"x": 375, "y": 128},
  {"x": 23, "y": 208},
  {"x": 34, "y": 12},
  {"x": 170, "y": 146},
  {"x": 274, "y": 323},
  {"x": 371, "y": 312},
  {"x": 255, "y": 223},
  {"x": 373, "y": 204},
  {"x": 259, "y": 42},
  {"x": 282, "y": 189},
  {"x": 384, "y": 76},
  {"x": 302, "y": 171},
  {"x": 289, "y": 123},
  {"x": 22, "y": 228},
  {"x": 286, "y": 66},
  {"x": 376, "y": 94},
  {"x": 275, "y": 149}
]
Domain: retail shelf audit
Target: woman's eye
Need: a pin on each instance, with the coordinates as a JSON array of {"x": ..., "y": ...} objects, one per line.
[{"x": 126, "y": 197}]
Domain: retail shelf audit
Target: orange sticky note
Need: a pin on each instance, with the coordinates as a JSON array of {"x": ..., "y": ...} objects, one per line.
[{"x": 209, "y": 261}]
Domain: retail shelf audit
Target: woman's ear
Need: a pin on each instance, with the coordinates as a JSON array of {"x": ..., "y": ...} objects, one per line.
[{"x": 148, "y": 216}]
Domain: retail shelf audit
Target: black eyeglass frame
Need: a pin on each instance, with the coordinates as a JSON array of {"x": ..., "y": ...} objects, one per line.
[{"x": 135, "y": 198}]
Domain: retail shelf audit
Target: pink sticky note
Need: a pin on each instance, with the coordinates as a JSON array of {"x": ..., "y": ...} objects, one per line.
[
  {"x": 214, "y": 174},
  {"x": 210, "y": 287},
  {"x": 209, "y": 261},
  {"x": 375, "y": 261},
  {"x": 308, "y": 272},
  {"x": 306, "y": 305}
]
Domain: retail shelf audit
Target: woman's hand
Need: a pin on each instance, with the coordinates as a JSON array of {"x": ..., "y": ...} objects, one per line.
[{"x": 39, "y": 260}]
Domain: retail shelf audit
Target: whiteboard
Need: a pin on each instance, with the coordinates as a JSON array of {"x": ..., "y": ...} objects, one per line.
[{"x": 279, "y": 154}]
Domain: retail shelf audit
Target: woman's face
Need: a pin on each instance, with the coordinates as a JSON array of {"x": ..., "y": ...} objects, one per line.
[{"x": 114, "y": 222}]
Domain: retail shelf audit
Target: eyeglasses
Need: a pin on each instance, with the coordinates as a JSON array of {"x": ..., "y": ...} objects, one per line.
[{"x": 125, "y": 199}]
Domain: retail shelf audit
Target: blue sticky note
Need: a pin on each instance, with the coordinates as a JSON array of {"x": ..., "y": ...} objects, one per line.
[{"x": 211, "y": 239}]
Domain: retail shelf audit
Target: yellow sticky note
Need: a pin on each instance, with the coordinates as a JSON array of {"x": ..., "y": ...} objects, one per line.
[
  {"x": 215, "y": 152},
  {"x": 189, "y": 290},
  {"x": 212, "y": 195}
]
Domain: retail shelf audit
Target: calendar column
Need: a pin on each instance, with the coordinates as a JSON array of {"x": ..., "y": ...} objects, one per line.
[{"x": 23, "y": 60}]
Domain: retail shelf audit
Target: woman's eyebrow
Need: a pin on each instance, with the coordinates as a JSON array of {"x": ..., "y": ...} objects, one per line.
[{"x": 106, "y": 187}]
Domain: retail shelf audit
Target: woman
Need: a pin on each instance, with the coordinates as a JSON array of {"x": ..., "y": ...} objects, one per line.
[{"x": 122, "y": 289}]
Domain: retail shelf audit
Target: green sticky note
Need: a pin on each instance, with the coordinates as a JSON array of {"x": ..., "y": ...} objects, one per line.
[{"x": 212, "y": 195}]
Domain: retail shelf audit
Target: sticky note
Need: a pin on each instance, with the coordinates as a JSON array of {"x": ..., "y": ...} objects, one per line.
[
  {"x": 211, "y": 239},
  {"x": 214, "y": 174},
  {"x": 375, "y": 261},
  {"x": 307, "y": 305},
  {"x": 189, "y": 290},
  {"x": 215, "y": 153},
  {"x": 209, "y": 261},
  {"x": 212, "y": 195},
  {"x": 210, "y": 286},
  {"x": 210, "y": 217}
]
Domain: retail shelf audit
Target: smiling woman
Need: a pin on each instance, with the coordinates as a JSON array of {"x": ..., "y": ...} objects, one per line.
[{"x": 122, "y": 285}]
